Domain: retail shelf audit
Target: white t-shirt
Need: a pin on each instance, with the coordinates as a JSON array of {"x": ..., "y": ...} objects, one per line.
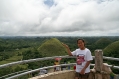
[{"x": 82, "y": 56}]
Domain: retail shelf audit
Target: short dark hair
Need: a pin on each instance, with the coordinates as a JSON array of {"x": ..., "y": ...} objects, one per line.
[{"x": 82, "y": 40}]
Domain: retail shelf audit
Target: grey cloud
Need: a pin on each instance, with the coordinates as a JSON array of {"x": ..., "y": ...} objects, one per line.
[{"x": 73, "y": 17}]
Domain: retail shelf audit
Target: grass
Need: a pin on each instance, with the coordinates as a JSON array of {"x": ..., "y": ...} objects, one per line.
[{"x": 12, "y": 59}]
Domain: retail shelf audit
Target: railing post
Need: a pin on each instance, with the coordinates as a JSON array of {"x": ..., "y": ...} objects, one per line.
[{"x": 98, "y": 63}]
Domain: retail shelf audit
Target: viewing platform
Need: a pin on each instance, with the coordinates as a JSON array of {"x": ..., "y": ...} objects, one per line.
[
  {"x": 101, "y": 70},
  {"x": 66, "y": 74}
]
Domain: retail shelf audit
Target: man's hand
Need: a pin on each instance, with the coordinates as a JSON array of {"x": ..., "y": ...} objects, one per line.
[
  {"x": 68, "y": 50},
  {"x": 65, "y": 45},
  {"x": 82, "y": 71}
]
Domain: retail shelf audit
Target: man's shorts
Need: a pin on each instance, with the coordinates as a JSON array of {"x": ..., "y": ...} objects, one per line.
[{"x": 82, "y": 76}]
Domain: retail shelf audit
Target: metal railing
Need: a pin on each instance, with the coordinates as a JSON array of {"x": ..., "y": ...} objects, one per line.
[
  {"x": 48, "y": 67},
  {"x": 34, "y": 60},
  {"x": 47, "y": 58},
  {"x": 15, "y": 73},
  {"x": 111, "y": 58},
  {"x": 36, "y": 70}
]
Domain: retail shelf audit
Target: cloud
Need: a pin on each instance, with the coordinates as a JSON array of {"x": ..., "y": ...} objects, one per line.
[{"x": 59, "y": 17}]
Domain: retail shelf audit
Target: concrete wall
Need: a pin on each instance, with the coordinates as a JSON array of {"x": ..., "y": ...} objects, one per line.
[{"x": 66, "y": 74}]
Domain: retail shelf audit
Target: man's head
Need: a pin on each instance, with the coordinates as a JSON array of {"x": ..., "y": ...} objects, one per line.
[{"x": 81, "y": 43}]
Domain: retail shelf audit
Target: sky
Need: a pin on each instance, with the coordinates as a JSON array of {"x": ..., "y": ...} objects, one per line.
[{"x": 59, "y": 17}]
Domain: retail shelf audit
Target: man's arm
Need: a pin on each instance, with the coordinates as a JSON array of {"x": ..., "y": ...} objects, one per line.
[
  {"x": 68, "y": 50},
  {"x": 83, "y": 70}
]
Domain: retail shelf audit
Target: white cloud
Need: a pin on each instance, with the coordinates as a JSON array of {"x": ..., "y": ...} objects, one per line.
[{"x": 59, "y": 17}]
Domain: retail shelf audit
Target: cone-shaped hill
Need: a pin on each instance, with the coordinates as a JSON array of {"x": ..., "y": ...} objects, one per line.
[
  {"x": 112, "y": 50},
  {"x": 52, "y": 47},
  {"x": 102, "y": 43}
]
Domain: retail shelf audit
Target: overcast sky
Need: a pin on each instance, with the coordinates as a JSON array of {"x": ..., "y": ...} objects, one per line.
[{"x": 59, "y": 17}]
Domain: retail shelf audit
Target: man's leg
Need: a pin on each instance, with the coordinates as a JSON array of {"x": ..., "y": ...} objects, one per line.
[{"x": 76, "y": 75}]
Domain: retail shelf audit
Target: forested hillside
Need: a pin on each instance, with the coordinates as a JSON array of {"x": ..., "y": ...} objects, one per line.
[{"x": 112, "y": 50}]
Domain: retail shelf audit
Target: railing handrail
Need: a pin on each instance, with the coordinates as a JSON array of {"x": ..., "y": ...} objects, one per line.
[
  {"x": 35, "y": 70},
  {"x": 15, "y": 73},
  {"x": 32, "y": 60},
  {"x": 111, "y": 58},
  {"x": 47, "y": 58}
]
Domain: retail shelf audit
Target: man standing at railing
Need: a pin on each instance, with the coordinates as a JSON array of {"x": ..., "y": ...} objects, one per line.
[{"x": 83, "y": 59}]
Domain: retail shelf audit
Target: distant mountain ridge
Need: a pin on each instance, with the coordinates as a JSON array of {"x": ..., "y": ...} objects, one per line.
[{"x": 52, "y": 47}]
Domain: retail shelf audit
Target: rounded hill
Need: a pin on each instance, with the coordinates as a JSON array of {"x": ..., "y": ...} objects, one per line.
[
  {"x": 112, "y": 50},
  {"x": 102, "y": 43},
  {"x": 52, "y": 47}
]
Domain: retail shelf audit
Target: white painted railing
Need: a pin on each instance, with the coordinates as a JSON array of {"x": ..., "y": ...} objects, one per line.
[
  {"x": 34, "y": 60},
  {"x": 14, "y": 73},
  {"x": 36, "y": 70},
  {"x": 111, "y": 58},
  {"x": 49, "y": 58}
]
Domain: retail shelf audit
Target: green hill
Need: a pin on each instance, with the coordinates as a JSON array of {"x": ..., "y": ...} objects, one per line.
[
  {"x": 102, "y": 43},
  {"x": 52, "y": 47},
  {"x": 112, "y": 50}
]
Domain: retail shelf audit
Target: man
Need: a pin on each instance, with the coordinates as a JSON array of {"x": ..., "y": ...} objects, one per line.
[{"x": 84, "y": 58}]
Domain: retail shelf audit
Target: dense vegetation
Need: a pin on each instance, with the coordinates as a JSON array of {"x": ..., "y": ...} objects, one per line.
[{"x": 23, "y": 48}]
